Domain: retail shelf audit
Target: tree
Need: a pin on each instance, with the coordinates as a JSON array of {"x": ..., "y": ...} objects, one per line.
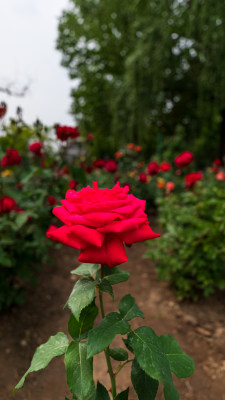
[{"x": 147, "y": 68}]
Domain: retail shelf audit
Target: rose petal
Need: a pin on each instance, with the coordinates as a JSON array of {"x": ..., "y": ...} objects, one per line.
[
  {"x": 122, "y": 226},
  {"x": 61, "y": 213},
  {"x": 92, "y": 236},
  {"x": 111, "y": 253},
  {"x": 64, "y": 236},
  {"x": 139, "y": 235}
]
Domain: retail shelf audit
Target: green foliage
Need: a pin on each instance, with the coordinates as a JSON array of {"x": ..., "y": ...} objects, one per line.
[
  {"x": 145, "y": 387},
  {"x": 55, "y": 346},
  {"x": 102, "y": 336},
  {"x": 81, "y": 296},
  {"x": 190, "y": 253},
  {"x": 146, "y": 69},
  {"x": 79, "y": 371},
  {"x": 155, "y": 357}
]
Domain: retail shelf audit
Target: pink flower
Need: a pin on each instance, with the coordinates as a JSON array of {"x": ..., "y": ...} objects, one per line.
[
  {"x": 11, "y": 157},
  {"x": 111, "y": 166},
  {"x": 170, "y": 186},
  {"x": 184, "y": 159},
  {"x": 220, "y": 176},
  {"x": 192, "y": 178},
  {"x": 153, "y": 168},
  {"x": 98, "y": 222}
]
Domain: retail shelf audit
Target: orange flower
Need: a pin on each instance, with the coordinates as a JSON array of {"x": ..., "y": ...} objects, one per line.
[
  {"x": 160, "y": 183},
  {"x": 130, "y": 146},
  {"x": 140, "y": 164},
  {"x": 118, "y": 154},
  {"x": 138, "y": 149},
  {"x": 170, "y": 186}
]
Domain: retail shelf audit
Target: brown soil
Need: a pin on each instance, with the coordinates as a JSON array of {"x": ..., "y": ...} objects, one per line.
[{"x": 199, "y": 328}]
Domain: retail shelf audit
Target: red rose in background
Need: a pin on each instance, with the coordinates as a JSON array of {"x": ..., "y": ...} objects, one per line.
[
  {"x": 153, "y": 168},
  {"x": 35, "y": 148},
  {"x": 170, "y": 186},
  {"x": 111, "y": 166},
  {"x": 142, "y": 177},
  {"x": 11, "y": 157},
  {"x": 65, "y": 132},
  {"x": 52, "y": 200},
  {"x": 89, "y": 168},
  {"x": 164, "y": 167},
  {"x": 3, "y": 109},
  {"x": 192, "y": 178},
  {"x": 184, "y": 159},
  {"x": 98, "y": 221},
  {"x": 7, "y": 204},
  {"x": 217, "y": 162},
  {"x": 90, "y": 137},
  {"x": 99, "y": 163},
  {"x": 73, "y": 184}
]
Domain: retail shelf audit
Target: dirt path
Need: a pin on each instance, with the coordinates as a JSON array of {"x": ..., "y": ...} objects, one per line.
[{"x": 199, "y": 328}]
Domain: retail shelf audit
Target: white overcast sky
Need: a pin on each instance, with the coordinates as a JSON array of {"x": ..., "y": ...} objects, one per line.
[{"x": 28, "y": 32}]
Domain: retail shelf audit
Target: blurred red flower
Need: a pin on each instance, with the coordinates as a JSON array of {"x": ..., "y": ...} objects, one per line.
[
  {"x": 12, "y": 157},
  {"x": 153, "y": 168},
  {"x": 192, "y": 178},
  {"x": 184, "y": 159}
]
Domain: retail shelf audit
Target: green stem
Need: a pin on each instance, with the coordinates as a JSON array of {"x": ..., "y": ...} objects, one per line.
[{"x": 106, "y": 351}]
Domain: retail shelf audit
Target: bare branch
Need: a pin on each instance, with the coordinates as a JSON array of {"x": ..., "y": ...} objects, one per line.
[{"x": 14, "y": 92}]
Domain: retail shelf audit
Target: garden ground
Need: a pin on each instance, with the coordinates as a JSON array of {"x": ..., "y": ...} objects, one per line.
[{"x": 198, "y": 327}]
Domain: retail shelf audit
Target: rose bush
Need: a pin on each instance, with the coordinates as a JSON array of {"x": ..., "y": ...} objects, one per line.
[{"x": 98, "y": 221}]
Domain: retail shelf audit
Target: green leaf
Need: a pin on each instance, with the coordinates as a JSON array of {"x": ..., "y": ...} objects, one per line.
[
  {"x": 105, "y": 286},
  {"x": 115, "y": 275},
  {"x": 118, "y": 354},
  {"x": 180, "y": 363},
  {"x": 82, "y": 295},
  {"x": 145, "y": 387},
  {"x": 99, "y": 338},
  {"x": 86, "y": 269},
  {"x": 79, "y": 371},
  {"x": 129, "y": 309},
  {"x": 101, "y": 392},
  {"x": 55, "y": 346},
  {"x": 151, "y": 358},
  {"x": 79, "y": 329},
  {"x": 5, "y": 261},
  {"x": 22, "y": 217},
  {"x": 123, "y": 395}
]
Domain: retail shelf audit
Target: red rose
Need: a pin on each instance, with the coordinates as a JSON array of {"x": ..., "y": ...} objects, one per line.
[
  {"x": 184, "y": 159},
  {"x": 89, "y": 168},
  {"x": 3, "y": 109},
  {"x": 192, "y": 178},
  {"x": 153, "y": 168},
  {"x": 217, "y": 162},
  {"x": 90, "y": 137},
  {"x": 73, "y": 184},
  {"x": 164, "y": 167},
  {"x": 51, "y": 228},
  {"x": 65, "y": 132},
  {"x": 7, "y": 204},
  {"x": 35, "y": 148},
  {"x": 98, "y": 222},
  {"x": 51, "y": 200},
  {"x": 99, "y": 163},
  {"x": 111, "y": 166},
  {"x": 11, "y": 157},
  {"x": 142, "y": 177}
]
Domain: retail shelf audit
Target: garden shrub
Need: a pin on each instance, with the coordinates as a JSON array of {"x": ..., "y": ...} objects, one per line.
[{"x": 191, "y": 252}]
